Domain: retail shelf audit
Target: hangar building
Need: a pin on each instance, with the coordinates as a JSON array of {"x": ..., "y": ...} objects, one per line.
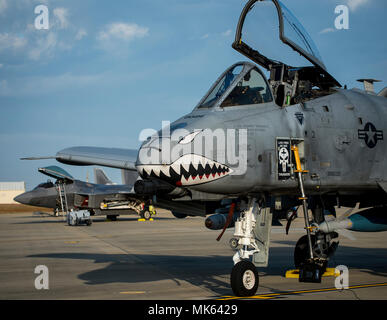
[{"x": 9, "y": 190}]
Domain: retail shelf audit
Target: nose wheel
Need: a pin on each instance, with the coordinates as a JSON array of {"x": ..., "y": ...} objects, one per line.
[{"x": 244, "y": 279}]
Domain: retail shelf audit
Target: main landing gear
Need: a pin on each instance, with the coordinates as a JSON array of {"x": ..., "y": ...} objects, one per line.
[
  {"x": 313, "y": 250},
  {"x": 322, "y": 249}
]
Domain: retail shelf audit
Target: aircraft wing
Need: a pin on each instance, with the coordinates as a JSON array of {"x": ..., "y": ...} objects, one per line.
[{"x": 107, "y": 157}]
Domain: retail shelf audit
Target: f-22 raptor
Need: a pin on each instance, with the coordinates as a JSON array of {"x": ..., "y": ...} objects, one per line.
[
  {"x": 296, "y": 138},
  {"x": 100, "y": 198}
]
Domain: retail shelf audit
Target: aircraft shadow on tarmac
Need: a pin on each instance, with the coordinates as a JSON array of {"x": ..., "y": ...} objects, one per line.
[
  {"x": 199, "y": 271},
  {"x": 204, "y": 271},
  {"x": 47, "y": 219}
]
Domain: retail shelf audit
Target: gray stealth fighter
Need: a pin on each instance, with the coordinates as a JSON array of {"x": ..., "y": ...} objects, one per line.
[
  {"x": 308, "y": 142},
  {"x": 101, "y": 198}
]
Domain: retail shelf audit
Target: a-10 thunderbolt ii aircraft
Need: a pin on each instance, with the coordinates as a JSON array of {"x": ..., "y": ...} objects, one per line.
[
  {"x": 297, "y": 138},
  {"x": 100, "y": 198}
]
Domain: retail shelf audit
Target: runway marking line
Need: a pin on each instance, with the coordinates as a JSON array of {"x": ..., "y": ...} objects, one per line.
[
  {"x": 275, "y": 295},
  {"x": 132, "y": 292}
]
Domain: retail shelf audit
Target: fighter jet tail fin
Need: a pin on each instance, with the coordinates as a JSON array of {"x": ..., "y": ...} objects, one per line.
[
  {"x": 129, "y": 177},
  {"x": 100, "y": 177}
]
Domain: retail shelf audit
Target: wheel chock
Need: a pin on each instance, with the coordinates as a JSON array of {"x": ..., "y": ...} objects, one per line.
[
  {"x": 295, "y": 273},
  {"x": 141, "y": 219}
]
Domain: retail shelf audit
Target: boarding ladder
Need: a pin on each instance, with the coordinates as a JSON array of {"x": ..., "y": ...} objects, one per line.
[{"x": 61, "y": 188}]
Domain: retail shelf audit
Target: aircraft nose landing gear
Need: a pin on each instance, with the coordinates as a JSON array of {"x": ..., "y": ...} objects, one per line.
[{"x": 251, "y": 239}]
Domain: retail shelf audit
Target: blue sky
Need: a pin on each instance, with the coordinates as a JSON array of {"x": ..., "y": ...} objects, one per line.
[{"x": 105, "y": 70}]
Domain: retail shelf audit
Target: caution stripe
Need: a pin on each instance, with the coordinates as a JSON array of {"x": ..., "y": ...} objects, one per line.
[{"x": 286, "y": 293}]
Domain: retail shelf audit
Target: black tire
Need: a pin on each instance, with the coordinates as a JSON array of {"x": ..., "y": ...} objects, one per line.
[
  {"x": 301, "y": 251},
  {"x": 244, "y": 279},
  {"x": 145, "y": 214}
]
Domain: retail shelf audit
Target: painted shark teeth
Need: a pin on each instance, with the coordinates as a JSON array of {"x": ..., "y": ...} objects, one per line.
[
  {"x": 188, "y": 170},
  {"x": 165, "y": 170}
]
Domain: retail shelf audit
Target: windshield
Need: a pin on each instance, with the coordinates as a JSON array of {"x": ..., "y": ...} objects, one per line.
[
  {"x": 252, "y": 89},
  {"x": 221, "y": 86}
]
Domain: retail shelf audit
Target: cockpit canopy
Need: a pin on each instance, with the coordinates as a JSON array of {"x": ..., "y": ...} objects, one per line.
[
  {"x": 241, "y": 84},
  {"x": 289, "y": 83},
  {"x": 56, "y": 172},
  {"x": 257, "y": 38}
]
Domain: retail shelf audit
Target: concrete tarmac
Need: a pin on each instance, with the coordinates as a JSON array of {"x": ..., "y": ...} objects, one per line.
[{"x": 167, "y": 258}]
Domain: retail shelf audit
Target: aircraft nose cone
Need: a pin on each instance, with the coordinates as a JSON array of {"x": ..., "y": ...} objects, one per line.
[{"x": 23, "y": 198}]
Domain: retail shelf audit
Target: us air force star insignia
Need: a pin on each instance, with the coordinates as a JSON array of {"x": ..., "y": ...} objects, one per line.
[{"x": 370, "y": 135}]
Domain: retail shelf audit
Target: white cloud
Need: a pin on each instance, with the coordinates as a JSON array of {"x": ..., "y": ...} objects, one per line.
[
  {"x": 227, "y": 33},
  {"x": 44, "y": 46},
  {"x": 61, "y": 15},
  {"x": 123, "y": 31},
  {"x": 327, "y": 30},
  {"x": 80, "y": 34},
  {"x": 205, "y": 36},
  {"x": 354, "y": 4},
  {"x": 11, "y": 41}
]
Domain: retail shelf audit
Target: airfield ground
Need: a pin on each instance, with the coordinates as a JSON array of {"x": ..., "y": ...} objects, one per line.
[{"x": 168, "y": 258}]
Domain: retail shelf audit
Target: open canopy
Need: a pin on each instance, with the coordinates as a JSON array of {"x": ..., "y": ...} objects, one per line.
[
  {"x": 56, "y": 172},
  {"x": 291, "y": 33}
]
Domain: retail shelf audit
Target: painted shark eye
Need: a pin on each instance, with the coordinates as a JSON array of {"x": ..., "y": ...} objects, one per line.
[{"x": 189, "y": 137}]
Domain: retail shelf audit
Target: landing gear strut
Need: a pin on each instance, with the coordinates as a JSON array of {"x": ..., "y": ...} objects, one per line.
[
  {"x": 322, "y": 246},
  {"x": 251, "y": 238},
  {"x": 311, "y": 266}
]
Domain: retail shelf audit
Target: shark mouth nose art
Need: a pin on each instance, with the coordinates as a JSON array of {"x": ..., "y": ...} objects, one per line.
[{"x": 188, "y": 170}]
